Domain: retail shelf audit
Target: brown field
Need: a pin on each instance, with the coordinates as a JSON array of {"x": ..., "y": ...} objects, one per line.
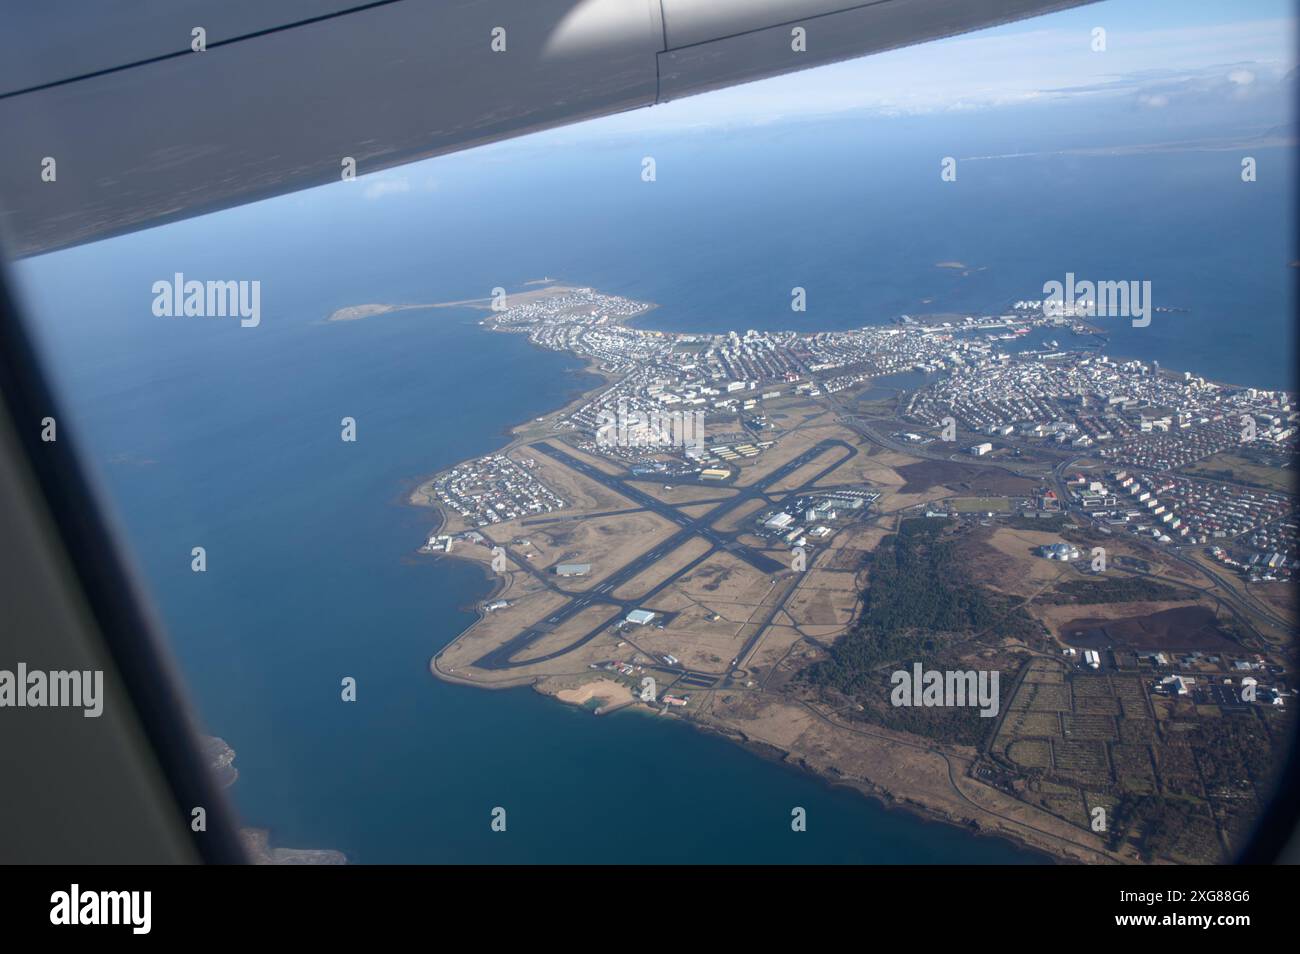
[
  {"x": 830, "y": 582},
  {"x": 843, "y": 559},
  {"x": 702, "y": 642},
  {"x": 1007, "y": 561},
  {"x": 771, "y": 649},
  {"x": 1058, "y": 616},
  {"x": 859, "y": 538},
  {"x": 699, "y": 642},
  {"x": 681, "y": 493},
  {"x": 1031, "y": 753},
  {"x": 789, "y": 445},
  {"x": 571, "y": 630},
  {"x": 822, "y": 600},
  {"x": 1042, "y": 697},
  {"x": 696, "y": 511},
  {"x": 970, "y": 479},
  {"x": 724, "y": 579},
  {"x": 581, "y": 494},
  {"x": 1045, "y": 672},
  {"x": 805, "y": 474},
  {"x": 607, "y": 543},
  {"x": 599, "y": 461},
  {"x": 742, "y": 516},
  {"x": 662, "y": 569},
  {"x": 872, "y": 465},
  {"x": 1184, "y": 627},
  {"x": 1026, "y": 723},
  {"x": 1281, "y": 598},
  {"x": 501, "y": 626},
  {"x": 788, "y": 413}
]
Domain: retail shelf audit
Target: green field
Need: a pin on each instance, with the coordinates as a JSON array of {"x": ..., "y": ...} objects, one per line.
[
  {"x": 1232, "y": 467},
  {"x": 980, "y": 504}
]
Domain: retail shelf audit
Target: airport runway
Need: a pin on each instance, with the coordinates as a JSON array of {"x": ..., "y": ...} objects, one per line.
[{"x": 503, "y": 657}]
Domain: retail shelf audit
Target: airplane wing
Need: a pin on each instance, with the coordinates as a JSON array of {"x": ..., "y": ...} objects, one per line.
[
  {"x": 122, "y": 114},
  {"x": 117, "y": 115}
]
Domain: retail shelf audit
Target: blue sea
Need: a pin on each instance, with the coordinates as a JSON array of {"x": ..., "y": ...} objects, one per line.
[{"x": 202, "y": 433}]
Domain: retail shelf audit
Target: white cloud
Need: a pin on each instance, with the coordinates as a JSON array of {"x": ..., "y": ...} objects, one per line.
[
  {"x": 386, "y": 185},
  {"x": 989, "y": 70}
]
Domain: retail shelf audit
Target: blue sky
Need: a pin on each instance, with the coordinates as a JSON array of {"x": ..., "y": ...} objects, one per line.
[
  {"x": 1221, "y": 53},
  {"x": 1208, "y": 73},
  {"x": 1186, "y": 75}
]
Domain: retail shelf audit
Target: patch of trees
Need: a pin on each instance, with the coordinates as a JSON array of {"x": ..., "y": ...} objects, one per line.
[
  {"x": 1236, "y": 748},
  {"x": 919, "y": 600},
  {"x": 1233, "y": 753},
  {"x": 1018, "y": 522},
  {"x": 1118, "y": 589},
  {"x": 955, "y": 725},
  {"x": 1161, "y": 826}
]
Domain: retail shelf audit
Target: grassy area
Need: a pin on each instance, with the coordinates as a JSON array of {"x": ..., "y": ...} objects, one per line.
[
  {"x": 980, "y": 504},
  {"x": 1244, "y": 471}
]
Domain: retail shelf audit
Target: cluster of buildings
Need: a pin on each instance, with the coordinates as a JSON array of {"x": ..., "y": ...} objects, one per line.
[
  {"x": 1182, "y": 438},
  {"x": 669, "y": 390},
  {"x": 1269, "y": 565},
  {"x": 1130, "y": 411},
  {"x": 666, "y": 382},
  {"x": 495, "y": 489},
  {"x": 1001, "y": 399},
  {"x": 1226, "y": 692},
  {"x": 586, "y": 323},
  {"x": 616, "y": 665},
  {"x": 1189, "y": 510},
  {"x": 572, "y": 569},
  {"x": 752, "y": 357},
  {"x": 735, "y": 450},
  {"x": 1200, "y": 677},
  {"x": 808, "y": 516},
  {"x": 645, "y": 416},
  {"x": 624, "y": 668},
  {"x": 1273, "y": 551}
]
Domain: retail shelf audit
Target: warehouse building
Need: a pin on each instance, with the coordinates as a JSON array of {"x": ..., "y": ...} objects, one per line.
[{"x": 572, "y": 569}]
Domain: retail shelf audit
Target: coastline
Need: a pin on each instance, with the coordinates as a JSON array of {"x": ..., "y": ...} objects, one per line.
[
  {"x": 511, "y": 435},
  {"x": 934, "y": 780},
  {"x": 927, "y": 806},
  {"x": 882, "y": 797}
]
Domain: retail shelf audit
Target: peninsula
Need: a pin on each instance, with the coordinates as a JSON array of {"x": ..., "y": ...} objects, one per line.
[{"x": 752, "y": 531}]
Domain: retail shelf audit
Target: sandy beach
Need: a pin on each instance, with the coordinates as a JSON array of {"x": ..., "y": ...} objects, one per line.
[{"x": 606, "y": 690}]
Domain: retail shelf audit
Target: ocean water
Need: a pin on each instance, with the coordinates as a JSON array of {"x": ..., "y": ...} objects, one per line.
[
  {"x": 203, "y": 433},
  {"x": 311, "y": 577}
]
